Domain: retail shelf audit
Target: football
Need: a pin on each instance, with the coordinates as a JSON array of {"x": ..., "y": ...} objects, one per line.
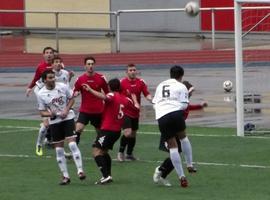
[
  {"x": 227, "y": 85},
  {"x": 192, "y": 8}
]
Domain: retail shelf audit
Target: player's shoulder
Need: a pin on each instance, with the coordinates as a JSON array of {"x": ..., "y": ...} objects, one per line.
[
  {"x": 141, "y": 80},
  {"x": 98, "y": 74},
  {"x": 42, "y": 91},
  {"x": 42, "y": 63},
  {"x": 81, "y": 77},
  {"x": 60, "y": 85},
  {"x": 64, "y": 71}
]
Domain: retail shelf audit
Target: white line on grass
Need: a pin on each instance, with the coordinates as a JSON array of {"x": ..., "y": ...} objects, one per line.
[
  {"x": 18, "y": 130},
  {"x": 139, "y": 132},
  {"x": 150, "y": 161}
]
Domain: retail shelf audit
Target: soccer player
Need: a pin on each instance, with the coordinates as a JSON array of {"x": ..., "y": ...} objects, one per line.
[
  {"x": 61, "y": 76},
  {"x": 38, "y": 84},
  {"x": 131, "y": 84},
  {"x": 162, "y": 171},
  {"x": 170, "y": 102},
  {"x": 71, "y": 73},
  {"x": 112, "y": 120},
  {"x": 55, "y": 101},
  {"x": 42, "y": 66},
  {"x": 91, "y": 107},
  {"x": 190, "y": 107}
]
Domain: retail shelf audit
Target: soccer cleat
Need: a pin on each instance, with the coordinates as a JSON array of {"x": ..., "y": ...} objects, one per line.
[
  {"x": 68, "y": 155},
  {"x": 120, "y": 157},
  {"x": 183, "y": 182},
  {"x": 65, "y": 181},
  {"x": 191, "y": 170},
  {"x": 39, "y": 150},
  {"x": 165, "y": 182},
  {"x": 157, "y": 175},
  {"x": 159, "y": 180},
  {"x": 130, "y": 158},
  {"x": 104, "y": 181},
  {"x": 81, "y": 175}
]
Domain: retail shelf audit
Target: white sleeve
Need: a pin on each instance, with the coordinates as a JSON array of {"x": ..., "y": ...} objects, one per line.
[
  {"x": 184, "y": 95},
  {"x": 41, "y": 105},
  {"x": 69, "y": 92},
  {"x": 155, "y": 98}
]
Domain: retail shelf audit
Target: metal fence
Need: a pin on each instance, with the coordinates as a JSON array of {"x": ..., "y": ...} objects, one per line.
[{"x": 118, "y": 13}]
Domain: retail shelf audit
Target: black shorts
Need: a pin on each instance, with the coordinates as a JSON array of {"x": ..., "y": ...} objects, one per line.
[
  {"x": 130, "y": 122},
  {"x": 95, "y": 119},
  {"x": 163, "y": 146},
  {"x": 106, "y": 139},
  {"x": 171, "y": 124},
  {"x": 62, "y": 130}
]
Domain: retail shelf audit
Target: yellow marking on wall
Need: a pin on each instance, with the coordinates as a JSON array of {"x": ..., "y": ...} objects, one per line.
[
  {"x": 70, "y": 45},
  {"x": 68, "y": 20}
]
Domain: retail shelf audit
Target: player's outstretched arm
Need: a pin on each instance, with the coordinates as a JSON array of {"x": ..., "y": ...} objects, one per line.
[
  {"x": 149, "y": 98},
  {"x": 28, "y": 92},
  {"x": 94, "y": 92}
]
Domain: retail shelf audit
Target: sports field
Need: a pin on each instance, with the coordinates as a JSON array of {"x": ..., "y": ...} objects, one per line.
[{"x": 229, "y": 167}]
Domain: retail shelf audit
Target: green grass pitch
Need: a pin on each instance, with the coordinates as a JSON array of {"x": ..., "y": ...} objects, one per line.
[{"x": 229, "y": 167}]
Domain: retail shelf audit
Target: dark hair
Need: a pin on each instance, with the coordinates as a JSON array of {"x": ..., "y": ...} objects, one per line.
[
  {"x": 47, "y": 48},
  {"x": 55, "y": 51},
  {"x": 114, "y": 84},
  {"x": 45, "y": 73},
  {"x": 57, "y": 58},
  {"x": 187, "y": 84},
  {"x": 89, "y": 58},
  {"x": 176, "y": 72},
  {"x": 131, "y": 65}
]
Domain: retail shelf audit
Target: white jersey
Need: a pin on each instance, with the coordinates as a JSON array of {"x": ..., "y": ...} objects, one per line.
[
  {"x": 55, "y": 100},
  {"x": 62, "y": 77},
  {"x": 170, "y": 96}
]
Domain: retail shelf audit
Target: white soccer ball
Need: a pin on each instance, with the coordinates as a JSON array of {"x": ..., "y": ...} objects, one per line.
[
  {"x": 192, "y": 8},
  {"x": 227, "y": 85}
]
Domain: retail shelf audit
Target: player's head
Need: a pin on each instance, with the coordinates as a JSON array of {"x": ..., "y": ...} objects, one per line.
[
  {"x": 131, "y": 71},
  {"x": 189, "y": 86},
  {"x": 57, "y": 63},
  {"x": 48, "y": 54},
  {"x": 114, "y": 85},
  {"x": 89, "y": 62},
  {"x": 55, "y": 52},
  {"x": 177, "y": 72},
  {"x": 48, "y": 77}
]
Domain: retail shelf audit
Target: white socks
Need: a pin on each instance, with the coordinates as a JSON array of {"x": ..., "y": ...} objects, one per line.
[
  {"x": 41, "y": 134},
  {"x": 187, "y": 151},
  {"x": 77, "y": 157},
  {"x": 61, "y": 160},
  {"x": 176, "y": 161}
]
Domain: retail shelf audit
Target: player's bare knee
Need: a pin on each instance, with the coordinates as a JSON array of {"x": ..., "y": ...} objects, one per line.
[
  {"x": 182, "y": 135},
  {"x": 79, "y": 127},
  {"x": 128, "y": 132},
  {"x": 58, "y": 144},
  {"x": 172, "y": 143}
]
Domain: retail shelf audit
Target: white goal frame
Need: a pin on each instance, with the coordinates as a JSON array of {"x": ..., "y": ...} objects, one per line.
[{"x": 239, "y": 62}]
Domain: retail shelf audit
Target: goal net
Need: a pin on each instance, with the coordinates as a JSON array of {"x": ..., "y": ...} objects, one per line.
[{"x": 252, "y": 56}]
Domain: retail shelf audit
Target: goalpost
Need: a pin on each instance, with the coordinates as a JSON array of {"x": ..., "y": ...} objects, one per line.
[{"x": 247, "y": 24}]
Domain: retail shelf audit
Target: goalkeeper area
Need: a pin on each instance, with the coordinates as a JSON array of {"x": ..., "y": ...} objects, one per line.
[
  {"x": 229, "y": 167},
  {"x": 252, "y": 25}
]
